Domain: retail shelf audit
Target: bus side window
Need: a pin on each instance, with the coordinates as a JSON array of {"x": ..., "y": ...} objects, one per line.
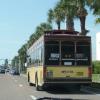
[
  {"x": 39, "y": 60},
  {"x": 42, "y": 55}
]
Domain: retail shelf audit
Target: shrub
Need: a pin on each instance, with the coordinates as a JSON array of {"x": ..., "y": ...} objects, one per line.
[{"x": 96, "y": 67}]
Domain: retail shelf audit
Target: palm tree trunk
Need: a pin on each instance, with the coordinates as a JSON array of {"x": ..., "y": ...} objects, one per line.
[
  {"x": 58, "y": 24},
  {"x": 82, "y": 20},
  {"x": 70, "y": 24}
]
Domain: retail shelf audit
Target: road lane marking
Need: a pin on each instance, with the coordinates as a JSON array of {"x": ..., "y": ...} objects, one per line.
[
  {"x": 33, "y": 97},
  {"x": 20, "y": 85}
]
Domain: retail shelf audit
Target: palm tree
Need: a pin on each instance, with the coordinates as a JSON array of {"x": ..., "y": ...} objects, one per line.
[
  {"x": 69, "y": 10},
  {"x": 56, "y": 15},
  {"x": 23, "y": 56},
  {"x": 98, "y": 20},
  {"x": 95, "y": 6},
  {"x": 38, "y": 32},
  {"x": 50, "y": 16},
  {"x": 82, "y": 13},
  {"x": 31, "y": 40},
  {"x": 73, "y": 9},
  {"x": 59, "y": 15},
  {"x": 42, "y": 28}
]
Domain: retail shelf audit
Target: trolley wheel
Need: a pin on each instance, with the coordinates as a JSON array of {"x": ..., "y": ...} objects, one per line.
[
  {"x": 38, "y": 88},
  {"x": 30, "y": 84}
]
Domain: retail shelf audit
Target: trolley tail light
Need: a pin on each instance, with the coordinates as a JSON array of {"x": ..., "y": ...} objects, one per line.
[{"x": 90, "y": 71}]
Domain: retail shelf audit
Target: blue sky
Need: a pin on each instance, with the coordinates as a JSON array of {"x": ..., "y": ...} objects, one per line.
[{"x": 19, "y": 18}]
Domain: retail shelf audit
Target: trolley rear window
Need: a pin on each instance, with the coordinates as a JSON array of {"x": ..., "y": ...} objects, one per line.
[{"x": 67, "y": 53}]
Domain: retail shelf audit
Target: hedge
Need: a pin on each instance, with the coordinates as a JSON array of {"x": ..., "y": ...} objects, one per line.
[{"x": 96, "y": 67}]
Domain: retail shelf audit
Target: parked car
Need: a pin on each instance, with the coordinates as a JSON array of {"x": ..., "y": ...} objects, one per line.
[
  {"x": 14, "y": 72},
  {"x": 7, "y": 70},
  {"x": 2, "y": 70}
]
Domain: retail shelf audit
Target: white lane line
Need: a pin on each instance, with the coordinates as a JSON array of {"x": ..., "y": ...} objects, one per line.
[
  {"x": 33, "y": 97},
  {"x": 20, "y": 85}
]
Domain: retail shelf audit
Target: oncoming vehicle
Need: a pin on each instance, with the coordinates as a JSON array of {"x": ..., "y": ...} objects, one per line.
[{"x": 60, "y": 57}]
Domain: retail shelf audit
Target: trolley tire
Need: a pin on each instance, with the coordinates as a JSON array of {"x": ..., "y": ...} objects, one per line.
[
  {"x": 38, "y": 88},
  {"x": 30, "y": 84}
]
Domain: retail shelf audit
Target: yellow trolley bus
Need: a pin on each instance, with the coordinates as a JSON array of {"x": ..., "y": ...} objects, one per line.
[{"x": 60, "y": 57}]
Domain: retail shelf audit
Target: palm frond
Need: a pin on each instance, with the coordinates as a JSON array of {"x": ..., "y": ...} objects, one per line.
[{"x": 98, "y": 21}]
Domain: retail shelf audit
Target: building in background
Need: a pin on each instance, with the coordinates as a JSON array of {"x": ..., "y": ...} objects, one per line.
[{"x": 98, "y": 46}]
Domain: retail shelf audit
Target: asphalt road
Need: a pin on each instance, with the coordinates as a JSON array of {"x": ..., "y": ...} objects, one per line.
[{"x": 17, "y": 88}]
